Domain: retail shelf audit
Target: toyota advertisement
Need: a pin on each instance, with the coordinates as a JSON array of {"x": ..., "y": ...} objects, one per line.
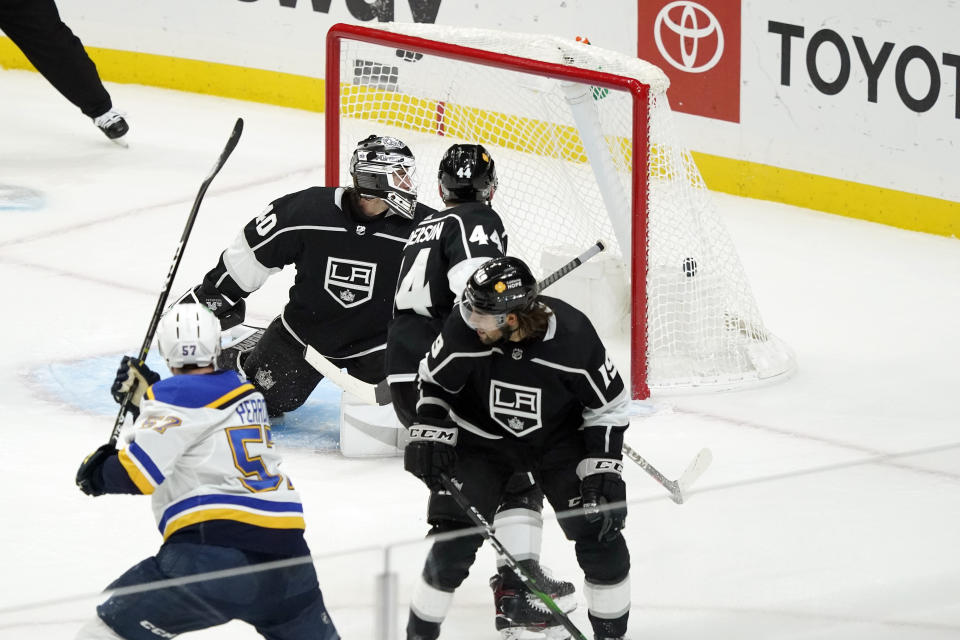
[
  {"x": 848, "y": 107},
  {"x": 698, "y": 46}
]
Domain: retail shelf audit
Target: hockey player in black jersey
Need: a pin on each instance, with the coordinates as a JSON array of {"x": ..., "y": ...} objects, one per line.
[
  {"x": 519, "y": 381},
  {"x": 345, "y": 244},
  {"x": 441, "y": 254}
]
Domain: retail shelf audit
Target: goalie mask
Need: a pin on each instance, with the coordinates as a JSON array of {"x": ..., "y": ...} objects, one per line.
[
  {"x": 501, "y": 286},
  {"x": 467, "y": 174},
  {"x": 383, "y": 167},
  {"x": 189, "y": 334}
]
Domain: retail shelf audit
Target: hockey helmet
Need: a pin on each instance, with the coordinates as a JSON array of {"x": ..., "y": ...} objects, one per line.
[
  {"x": 383, "y": 167},
  {"x": 467, "y": 174},
  {"x": 189, "y": 334},
  {"x": 499, "y": 287}
]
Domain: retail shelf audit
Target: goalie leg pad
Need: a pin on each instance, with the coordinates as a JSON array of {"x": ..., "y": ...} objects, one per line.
[{"x": 277, "y": 369}]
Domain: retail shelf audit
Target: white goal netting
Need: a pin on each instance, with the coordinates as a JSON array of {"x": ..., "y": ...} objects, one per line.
[{"x": 565, "y": 162}]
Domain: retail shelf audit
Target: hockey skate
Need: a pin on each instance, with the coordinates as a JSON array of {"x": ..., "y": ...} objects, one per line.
[
  {"x": 523, "y": 616},
  {"x": 113, "y": 126}
]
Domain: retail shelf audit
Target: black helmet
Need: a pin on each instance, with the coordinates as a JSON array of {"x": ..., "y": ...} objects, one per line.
[
  {"x": 384, "y": 167},
  {"x": 467, "y": 174},
  {"x": 501, "y": 286}
]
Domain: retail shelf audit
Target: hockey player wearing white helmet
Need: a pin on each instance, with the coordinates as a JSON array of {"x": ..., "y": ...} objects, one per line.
[{"x": 201, "y": 447}]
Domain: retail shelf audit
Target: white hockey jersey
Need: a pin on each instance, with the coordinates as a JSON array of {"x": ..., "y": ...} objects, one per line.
[{"x": 202, "y": 447}]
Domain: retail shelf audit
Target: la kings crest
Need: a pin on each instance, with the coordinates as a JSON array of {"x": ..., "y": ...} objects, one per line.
[
  {"x": 349, "y": 282},
  {"x": 515, "y": 408}
]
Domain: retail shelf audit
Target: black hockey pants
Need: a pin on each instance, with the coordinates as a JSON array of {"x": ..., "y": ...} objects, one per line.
[
  {"x": 485, "y": 474},
  {"x": 36, "y": 28}
]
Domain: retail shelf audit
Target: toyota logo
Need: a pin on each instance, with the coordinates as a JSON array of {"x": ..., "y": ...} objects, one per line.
[{"x": 696, "y": 23}]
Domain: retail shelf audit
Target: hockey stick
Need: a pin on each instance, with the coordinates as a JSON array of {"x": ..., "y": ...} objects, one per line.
[
  {"x": 528, "y": 582},
  {"x": 380, "y": 392},
  {"x": 369, "y": 393},
  {"x": 174, "y": 265},
  {"x": 596, "y": 248},
  {"x": 677, "y": 487}
]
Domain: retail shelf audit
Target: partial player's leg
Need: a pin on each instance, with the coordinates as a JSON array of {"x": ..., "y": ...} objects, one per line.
[
  {"x": 408, "y": 339},
  {"x": 519, "y": 528},
  {"x": 277, "y": 369},
  {"x": 36, "y": 28},
  {"x": 483, "y": 478},
  {"x": 290, "y": 605},
  {"x": 149, "y": 614},
  {"x": 605, "y": 563}
]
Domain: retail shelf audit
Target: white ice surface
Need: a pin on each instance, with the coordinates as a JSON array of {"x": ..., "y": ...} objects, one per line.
[{"x": 832, "y": 509}]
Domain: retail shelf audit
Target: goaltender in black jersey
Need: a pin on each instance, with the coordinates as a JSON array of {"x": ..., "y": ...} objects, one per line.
[{"x": 346, "y": 246}]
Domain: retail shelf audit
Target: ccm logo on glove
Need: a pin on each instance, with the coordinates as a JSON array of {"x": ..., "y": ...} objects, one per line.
[
  {"x": 437, "y": 434},
  {"x": 590, "y": 466}
]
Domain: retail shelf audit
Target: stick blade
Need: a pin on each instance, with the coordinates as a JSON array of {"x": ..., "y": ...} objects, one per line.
[{"x": 696, "y": 468}]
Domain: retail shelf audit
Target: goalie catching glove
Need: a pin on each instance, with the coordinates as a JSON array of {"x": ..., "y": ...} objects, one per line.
[
  {"x": 430, "y": 452},
  {"x": 133, "y": 377},
  {"x": 601, "y": 484},
  {"x": 229, "y": 313}
]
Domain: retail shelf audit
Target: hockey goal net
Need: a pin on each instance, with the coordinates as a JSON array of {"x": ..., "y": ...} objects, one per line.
[{"x": 585, "y": 148}]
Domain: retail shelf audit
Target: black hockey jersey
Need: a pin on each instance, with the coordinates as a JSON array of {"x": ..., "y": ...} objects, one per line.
[
  {"x": 347, "y": 267},
  {"x": 441, "y": 254},
  {"x": 534, "y": 390}
]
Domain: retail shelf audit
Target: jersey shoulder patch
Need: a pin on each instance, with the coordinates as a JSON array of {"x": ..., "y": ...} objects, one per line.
[{"x": 211, "y": 390}]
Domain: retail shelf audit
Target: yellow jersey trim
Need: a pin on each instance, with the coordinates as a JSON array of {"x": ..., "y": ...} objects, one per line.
[
  {"x": 138, "y": 477},
  {"x": 205, "y": 515},
  {"x": 227, "y": 397}
]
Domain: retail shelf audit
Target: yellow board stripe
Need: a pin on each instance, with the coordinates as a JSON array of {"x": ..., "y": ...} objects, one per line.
[
  {"x": 205, "y": 515},
  {"x": 832, "y": 195},
  {"x": 196, "y": 76},
  {"x": 227, "y": 397},
  {"x": 138, "y": 477},
  {"x": 728, "y": 175}
]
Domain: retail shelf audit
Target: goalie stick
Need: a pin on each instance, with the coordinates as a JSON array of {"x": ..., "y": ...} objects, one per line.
[
  {"x": 678, "y": 487},
  {"x": 380, "y": 393},
  {"x": 528, "y": 582},
  {"x": 174, "y": 265}
]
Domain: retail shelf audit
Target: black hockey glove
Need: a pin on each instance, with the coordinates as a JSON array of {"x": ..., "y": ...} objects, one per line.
[
  {"x": 229, "y": 313},
  {"x": 601, "y": 484},
  {"x": 89, "y": 475},
  {"x": 132, "y": 375},
  {"x": 430, "y": 452}
]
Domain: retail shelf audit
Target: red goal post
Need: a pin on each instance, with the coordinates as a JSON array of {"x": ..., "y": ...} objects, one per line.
[{"x": 385, "y": 63}]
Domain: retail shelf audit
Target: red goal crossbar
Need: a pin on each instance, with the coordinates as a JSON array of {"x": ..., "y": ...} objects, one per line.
[{"x": 640, "y": 152}]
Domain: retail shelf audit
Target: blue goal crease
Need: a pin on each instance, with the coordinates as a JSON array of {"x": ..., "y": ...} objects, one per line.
[{"x": 85, "y": 385}]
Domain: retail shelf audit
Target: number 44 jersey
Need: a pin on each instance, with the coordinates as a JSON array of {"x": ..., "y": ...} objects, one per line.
[{"x": 441, "y": 254}]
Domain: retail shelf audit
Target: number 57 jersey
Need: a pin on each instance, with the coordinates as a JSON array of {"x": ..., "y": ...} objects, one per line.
[{"x": 202, "y": 447}]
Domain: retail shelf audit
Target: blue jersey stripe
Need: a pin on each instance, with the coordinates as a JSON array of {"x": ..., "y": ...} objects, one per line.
[
  {"x": 155, "y": 474},
  {"x": 243, "y": 501}
]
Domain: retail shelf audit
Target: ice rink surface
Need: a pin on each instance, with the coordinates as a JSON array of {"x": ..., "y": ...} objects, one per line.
[{"x": 832, "y": 509}]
